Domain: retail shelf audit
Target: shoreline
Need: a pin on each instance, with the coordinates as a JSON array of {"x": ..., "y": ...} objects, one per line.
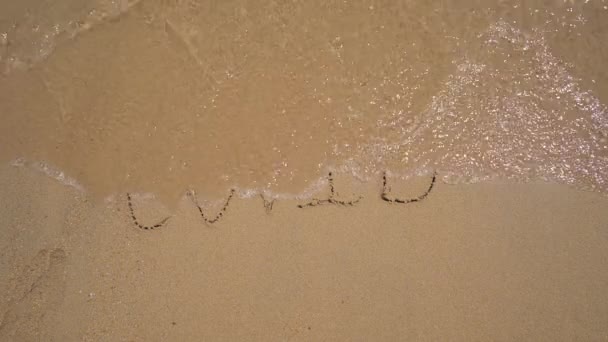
[{"x": 318, "y": 187}]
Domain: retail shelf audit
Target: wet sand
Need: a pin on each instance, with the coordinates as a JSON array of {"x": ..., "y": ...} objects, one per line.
[{"x": 469, "y": 262}]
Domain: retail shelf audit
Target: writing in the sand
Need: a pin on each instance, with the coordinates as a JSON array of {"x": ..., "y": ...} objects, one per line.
[{"x": 268, "y": 204}]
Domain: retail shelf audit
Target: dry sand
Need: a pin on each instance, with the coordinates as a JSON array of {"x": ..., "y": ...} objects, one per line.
[{"x": 470, "y": 262}]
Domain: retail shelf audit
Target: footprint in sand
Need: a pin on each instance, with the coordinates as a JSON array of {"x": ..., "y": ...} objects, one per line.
[{"x": 38, "y": 289}]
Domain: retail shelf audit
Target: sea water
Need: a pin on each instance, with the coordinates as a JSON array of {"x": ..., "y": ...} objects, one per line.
[{"x": 168, "y": 96}]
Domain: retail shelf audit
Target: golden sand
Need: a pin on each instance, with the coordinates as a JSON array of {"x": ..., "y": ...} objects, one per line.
[
  {"x": 475, "y": 262},
  {"x": 233, "y": 170}
]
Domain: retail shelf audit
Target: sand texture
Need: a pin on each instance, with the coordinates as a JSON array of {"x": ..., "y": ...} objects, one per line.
[
  {"x": 477, "y": 262},
  {"x": 319, "y": 170}
]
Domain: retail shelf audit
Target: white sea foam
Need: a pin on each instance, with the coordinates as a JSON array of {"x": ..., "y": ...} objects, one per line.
[
  {"x": 49, "y": 171},
  {"x": 511, "y": 111}
]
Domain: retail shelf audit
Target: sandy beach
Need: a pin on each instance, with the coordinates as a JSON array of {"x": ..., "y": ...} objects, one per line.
[{"x": 303, "y": 171}]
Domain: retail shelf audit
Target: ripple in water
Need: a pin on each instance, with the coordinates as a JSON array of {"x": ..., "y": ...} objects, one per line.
[{"x": 511, "y": 111}]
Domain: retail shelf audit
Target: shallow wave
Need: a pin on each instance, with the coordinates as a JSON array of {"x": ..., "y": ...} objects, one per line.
[
  {"x": 34, "y": 32},
  {"x": 508, "y": 108},
  {"x": 511, "y": 111}
]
